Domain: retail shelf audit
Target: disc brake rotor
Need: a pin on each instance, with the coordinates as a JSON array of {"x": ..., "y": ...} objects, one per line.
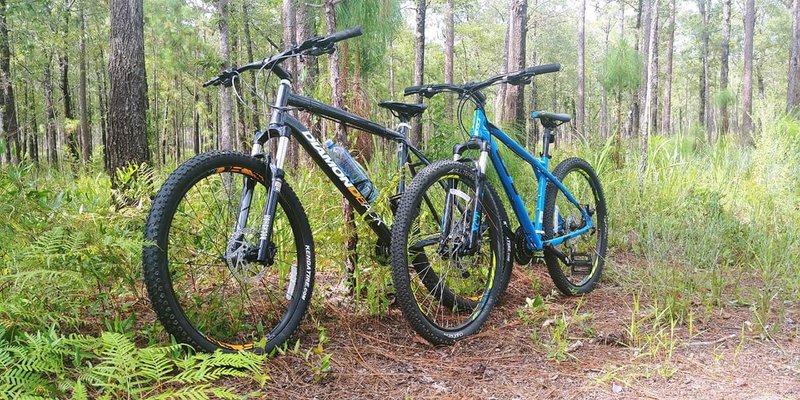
[{"x": 238, "y": 257}]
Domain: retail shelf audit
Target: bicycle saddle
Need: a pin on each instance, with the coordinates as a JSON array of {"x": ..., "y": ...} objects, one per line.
[
  {"x": 551, "y": 120},
  {"x": 403, "y": 110}
]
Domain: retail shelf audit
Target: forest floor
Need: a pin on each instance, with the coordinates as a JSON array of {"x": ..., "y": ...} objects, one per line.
[{"x": 381, "y": 357}]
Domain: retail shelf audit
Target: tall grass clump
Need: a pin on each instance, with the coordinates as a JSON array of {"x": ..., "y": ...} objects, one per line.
[{"x": 714, "y": 224}]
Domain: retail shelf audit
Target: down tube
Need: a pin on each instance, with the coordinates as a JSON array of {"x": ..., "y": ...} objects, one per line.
[{"x": 317, "y": 152}]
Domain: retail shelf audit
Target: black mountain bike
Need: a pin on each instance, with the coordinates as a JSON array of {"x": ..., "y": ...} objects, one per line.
[{"x": 221, "y": 277}]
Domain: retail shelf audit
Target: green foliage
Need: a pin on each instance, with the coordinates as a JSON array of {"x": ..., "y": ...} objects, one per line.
[
  {"x": 621, "y": 68},
  {"x": 715, "y": 225},
  {"x": 724, "y": 98},
  {"x": 379, "y": 20},
  {"x": 111, "y": 366}
]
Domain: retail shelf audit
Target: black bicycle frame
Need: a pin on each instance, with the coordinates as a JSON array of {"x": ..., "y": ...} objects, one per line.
[{"x": 283, "y": 125}]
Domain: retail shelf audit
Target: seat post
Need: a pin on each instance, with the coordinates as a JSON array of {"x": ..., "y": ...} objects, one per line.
[
  {"x": 547, "y": 138},
  {"x": 402, "y": 152}
]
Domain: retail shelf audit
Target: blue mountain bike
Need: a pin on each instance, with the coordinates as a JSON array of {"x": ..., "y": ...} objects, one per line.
[{"x": 459, "y": 243}]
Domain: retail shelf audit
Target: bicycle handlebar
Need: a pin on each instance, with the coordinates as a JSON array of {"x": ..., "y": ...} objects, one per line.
[
  {"x": 472, "y": 88},
  {"x": 314, "y": 46}
]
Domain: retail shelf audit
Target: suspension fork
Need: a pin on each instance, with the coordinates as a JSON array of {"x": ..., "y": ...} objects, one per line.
[
  {"x": 483, "y": 159},
  {"x": 274, "y": 170}
]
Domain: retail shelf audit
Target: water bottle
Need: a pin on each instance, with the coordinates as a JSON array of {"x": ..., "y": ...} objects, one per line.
[{"x": 353, "y": 170}]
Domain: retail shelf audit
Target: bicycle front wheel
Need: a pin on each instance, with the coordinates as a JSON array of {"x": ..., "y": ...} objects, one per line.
[
  {"x": 445, "y": 289},
  {"x": 586, "y": 252},
  {"x": 201, "y": 269}
]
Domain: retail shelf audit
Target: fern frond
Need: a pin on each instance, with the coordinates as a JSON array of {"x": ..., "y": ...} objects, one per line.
[{"x": 79, "y": 391}]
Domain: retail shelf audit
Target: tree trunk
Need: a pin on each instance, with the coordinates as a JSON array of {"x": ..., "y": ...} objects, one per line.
[
  {"x": 249, "y": 47},
  {"x": 499, "y": 102},
  {"x": 337, "y": 93},
  {"x": 514, "y": 112},
  {"x": 704, "y": 108},
  {"x": 604, "y": 131},
  {"x": 86, "y": 133},
  {"x": 643, "y": 45},
  {"x": 290, "y": 65},
  {"x": 226, "y": 124},
  {"x": 419, "y": 66},
  {"x": 50, "y": 111},
  {"x": 654, "y": 98},
  {"x": 69, "y": 131},
  {"x": 241, "y": 126},
  {"x": 533, "y": 127},
  {"x": 723, "y": 64},
  {"x": 7, "y": 100},
  {"x": 580, "y": 107},
  {"x": 666, "y": 113},
  {"x": 449, "y": 42},
  {"x": 747, "y": 101},
  {"x": 33, "y": 141},
  {"x": 307, "y": 68},
  {"x": 793, "y": 94},
  {"x": 102, "y": 102},
  {"x": 649, "y": 93},
  {"x": 196, "y": 123},
  {"x": 127, "y": 138}
]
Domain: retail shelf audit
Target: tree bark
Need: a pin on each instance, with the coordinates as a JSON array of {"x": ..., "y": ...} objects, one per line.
[
  {"x": 33, "y": 140},
  {"x": 86, "y": 133},
  {"x": 580, "y": 106},
  {"x": 307, "y": 67},
  {"x": 449, "y": 42},
  {"x": 604, "y": 130},
  {"x": 654, "y": 97},
  {"x": 249, "y": 48},
  {"x": 337, "y": 93},
  {"x": 499, "y": 103},
  {"x": 793, "y": 94},
  {"x": 533, "y": 127},
  {"x": 747, "y": 100},
  {"x": 649, "y": 93},
  {"x": 241, "y": 125},
  {"x": 290, "y": 65},
  {"x": 7, "y": 100},
  {"x": 127, "y": 138},
  {"x": 50, "y": 111},
  {"x": 643, "y": 45},
  {"x": 69, "y": 114},
  {"x": 703, "y": 107},
  {"x": 226, "y": 117},
  {"x": 723, "y": 64},
  {"x": 514, "y": 112},
  {"x": 102, "y": 103},
  {"x": 69, "y": 132},
  {"x": 419, "y": 66},
  {"x": 666, "y": 113}
]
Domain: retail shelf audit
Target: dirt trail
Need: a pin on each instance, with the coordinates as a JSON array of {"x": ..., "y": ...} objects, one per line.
[{"x": 380, "y": 357}]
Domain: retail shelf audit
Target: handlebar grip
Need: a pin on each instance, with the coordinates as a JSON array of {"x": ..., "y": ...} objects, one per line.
[
  {"x": 543, "y": 69},
  {"x": 212, "y": 81},
  {"x": 414, "y": 90},
  {"x": 344, "y": 35}
]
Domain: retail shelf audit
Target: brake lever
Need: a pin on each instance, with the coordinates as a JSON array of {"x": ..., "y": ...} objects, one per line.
[
  {"x": 318, "y": 51},
  {"x": 226, "y": 77}
]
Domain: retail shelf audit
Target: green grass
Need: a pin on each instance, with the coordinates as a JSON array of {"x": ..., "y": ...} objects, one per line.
[{"x": 714, "y": 226}]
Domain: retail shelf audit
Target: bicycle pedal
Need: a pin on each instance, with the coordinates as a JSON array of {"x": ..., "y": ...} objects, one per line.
[{"x": 581, "y": 264}]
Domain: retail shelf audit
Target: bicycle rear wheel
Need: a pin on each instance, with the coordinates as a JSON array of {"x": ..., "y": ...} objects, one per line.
[
  {"x": 204, "y": 280},
  {"x": 446, "y": 291},
  {"x": 587, "y": 251}
]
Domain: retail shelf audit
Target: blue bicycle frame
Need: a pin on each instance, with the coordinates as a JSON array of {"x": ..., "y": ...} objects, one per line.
[{"x": 482, "y": 137}]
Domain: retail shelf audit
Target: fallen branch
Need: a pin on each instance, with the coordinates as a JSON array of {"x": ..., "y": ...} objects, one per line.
[{"x": 713, "y": 342}]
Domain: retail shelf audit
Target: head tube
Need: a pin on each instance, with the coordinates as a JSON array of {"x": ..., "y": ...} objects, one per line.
[{"x": 479, "y": 125}]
